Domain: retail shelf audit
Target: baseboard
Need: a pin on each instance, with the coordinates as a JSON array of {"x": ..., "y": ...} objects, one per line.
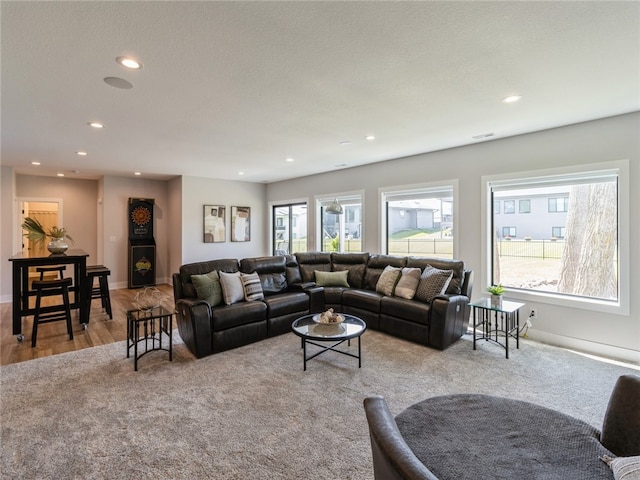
[{"x": 593, "y": 348}]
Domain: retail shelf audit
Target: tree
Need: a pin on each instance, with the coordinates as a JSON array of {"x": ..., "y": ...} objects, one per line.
[{"x": 588, "y": 265}]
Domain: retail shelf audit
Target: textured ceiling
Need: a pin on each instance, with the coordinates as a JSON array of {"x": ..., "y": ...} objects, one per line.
[{"x": 240, "y": 86}]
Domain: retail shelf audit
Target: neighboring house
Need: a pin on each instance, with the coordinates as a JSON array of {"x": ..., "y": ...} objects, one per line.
[{"x": 536, "y": 214}]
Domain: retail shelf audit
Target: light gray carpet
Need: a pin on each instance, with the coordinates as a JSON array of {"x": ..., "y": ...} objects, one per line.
[{"x": 252, "y": 413}]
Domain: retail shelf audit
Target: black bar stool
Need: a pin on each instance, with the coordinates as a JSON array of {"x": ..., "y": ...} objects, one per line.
[
  {"x": 57, "y": 268},
  {"x": 102, "y": 290},
  {"x": 48, "y": 288}
]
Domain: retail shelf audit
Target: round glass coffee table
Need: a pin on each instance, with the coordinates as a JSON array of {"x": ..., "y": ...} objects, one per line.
[{"x": 311, "y": 332}]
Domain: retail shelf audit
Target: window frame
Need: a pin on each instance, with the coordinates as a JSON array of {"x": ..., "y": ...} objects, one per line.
[
  {"x": 385, "y": 192},
  {"x": 618, "y": 167},
  {"x": 272, "y": 222}
]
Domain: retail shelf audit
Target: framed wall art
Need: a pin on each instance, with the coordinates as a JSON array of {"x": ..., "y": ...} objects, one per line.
[
  {"x": 240, "y": 224},
  {"x": 213, "y": 222}
]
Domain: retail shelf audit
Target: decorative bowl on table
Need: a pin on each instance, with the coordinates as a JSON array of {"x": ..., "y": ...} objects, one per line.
[{"x": 328, "y": 317}]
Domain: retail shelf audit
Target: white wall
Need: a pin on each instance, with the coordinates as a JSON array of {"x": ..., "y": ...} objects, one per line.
[
  {"x": 197, "y": 192},
  {"x": 7, "y": 189},
  {"x": 615, "y": 138}
]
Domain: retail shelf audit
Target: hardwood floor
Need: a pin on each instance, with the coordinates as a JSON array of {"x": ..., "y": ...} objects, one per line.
[{"x": 53, "y": 338}]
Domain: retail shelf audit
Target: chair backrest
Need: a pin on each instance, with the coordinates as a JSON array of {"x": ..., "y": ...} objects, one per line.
[
  {"x": 392, "y": 457},
  {"x": 621, "y": 425}
]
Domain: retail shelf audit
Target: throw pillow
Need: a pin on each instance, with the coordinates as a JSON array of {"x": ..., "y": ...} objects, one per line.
[
  {"x": 623, "y": 468},
  {"x": 433, "y": 282},
  {"x": 232, "y": 291},
  {"x": 208, "y": 287},
  {"x": 388, "y": 279},
  {"x": 251, "y": 286},
  {"x": 332, "y": 279},
  {"x": 408, "y": 283}
]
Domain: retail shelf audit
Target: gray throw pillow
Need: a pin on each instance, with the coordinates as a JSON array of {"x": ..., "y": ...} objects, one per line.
[
  {"x": 623, "y": 468},
  {"x": 232, "y": 291},
  {"x": 388, "y": 280},
  {"x": 408, "y": 283},
  {"x": 208, "y": 287},
  {"x": 251, "y": 286},
  {"x": 433, "y": 282}
]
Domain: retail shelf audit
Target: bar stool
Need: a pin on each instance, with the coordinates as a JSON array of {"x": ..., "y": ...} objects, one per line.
[
  {"x": 57, "y": 268},
  {"x": 102, "y": 290},
  {"x": 47, "y": 288}
]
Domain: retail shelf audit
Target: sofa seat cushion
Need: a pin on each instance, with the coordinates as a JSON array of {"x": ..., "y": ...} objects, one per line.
[
  {"x": 228, "y": 316},
  {"x": 285, "y": 303},
  {"x": 364, "y": 299},
  {"x": 409, "y": 310}
]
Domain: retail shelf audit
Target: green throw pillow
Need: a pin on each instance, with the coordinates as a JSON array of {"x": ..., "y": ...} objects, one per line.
[
  {"x": 332, "y": 279},
  {"x": 208, "y": 287}
]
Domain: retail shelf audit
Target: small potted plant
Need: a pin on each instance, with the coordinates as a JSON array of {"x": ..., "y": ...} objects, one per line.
[
  {"x": 496, "y": 292},
  {"x": 36, "y": 233}
]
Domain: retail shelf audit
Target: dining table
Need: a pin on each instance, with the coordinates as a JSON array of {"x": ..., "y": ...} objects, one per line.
[{"x": 23, "y": 261}]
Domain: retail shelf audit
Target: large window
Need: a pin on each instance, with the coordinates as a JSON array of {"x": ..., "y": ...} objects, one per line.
[
  {"x": 569, "y": 243},
  {"x": 289, "y": 228},
  {"x": 341, "y": 232},
  {"x": 419, "y": 221}
]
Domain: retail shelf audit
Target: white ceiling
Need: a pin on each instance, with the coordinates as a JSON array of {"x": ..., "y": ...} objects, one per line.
[{"x": 240, "y": 86}]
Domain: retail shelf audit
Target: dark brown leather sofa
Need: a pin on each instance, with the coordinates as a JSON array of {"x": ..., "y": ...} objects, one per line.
[{"x": 290, "y": 291}]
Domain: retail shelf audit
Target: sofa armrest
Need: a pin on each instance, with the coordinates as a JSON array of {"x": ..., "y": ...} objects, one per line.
[
  {"x": 194, "y": 325},
  {"x": 316, "y": 295},
  {"x": 448, "y": 320}
]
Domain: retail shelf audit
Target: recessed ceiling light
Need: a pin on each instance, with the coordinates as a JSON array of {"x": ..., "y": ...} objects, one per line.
[
  {"x": 82, "y": 154},
  {"x": 129, "y": 62},
  {"x": 137, "y": 173},
  {"x": 370, "y": 137},
  {"x": 511, "y": 98},
  {"x": 60, "y": 174},
  {"x": 240, "y": 173},
  {"x": 289, "y": 160},
  {"x": 483, "y": 135},
  {"x": 95, "y": 124},
  {"x": 35, "y": 163}
]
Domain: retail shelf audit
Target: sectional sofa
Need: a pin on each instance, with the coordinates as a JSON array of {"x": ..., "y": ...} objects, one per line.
[{"x": 226, "y": 303}]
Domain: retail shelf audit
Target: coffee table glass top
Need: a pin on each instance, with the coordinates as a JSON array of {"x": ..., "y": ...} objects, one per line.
[{"x": 306, "y": 327}]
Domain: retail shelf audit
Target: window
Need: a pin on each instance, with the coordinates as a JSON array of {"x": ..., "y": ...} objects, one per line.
[
  {"x": 581, "y": 259},
  {"x": 496, "y": 207},
  {"x": 557, "y": 232},
  {"x": 290, "y": 232},
  {"x": 524, "y": 206},
  {"x": 509, "y": 206},
  {"x": 560, "y": 204},
  {"x": 341, "y": 232},
  {"x": 419, "y": 221},
  {"x": 509, "y": 232}
]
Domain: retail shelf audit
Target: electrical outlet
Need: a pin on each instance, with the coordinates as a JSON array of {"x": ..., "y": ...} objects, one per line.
[
  {"x": 528, "y": 323},
  {"x": 534, "y": 314}
]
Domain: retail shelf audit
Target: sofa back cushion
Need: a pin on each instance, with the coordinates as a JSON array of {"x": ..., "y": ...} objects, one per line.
[
  {"x": 228, "y": 265},
  {"x": 457, "y": 266},
  {"x": 355, "y": 263},
  {"x": 292, "y": 270},
  {"x": 272, "y": 272},
  {"x": 377, "y": 264},
  {"x": 310, "y": 262}
]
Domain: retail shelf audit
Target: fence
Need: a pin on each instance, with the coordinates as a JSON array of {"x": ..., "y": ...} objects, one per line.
[{"x": 530, "y": 248}]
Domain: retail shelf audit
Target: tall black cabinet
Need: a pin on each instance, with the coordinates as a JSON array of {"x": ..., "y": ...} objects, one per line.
[{"x": 142, "y": 246}]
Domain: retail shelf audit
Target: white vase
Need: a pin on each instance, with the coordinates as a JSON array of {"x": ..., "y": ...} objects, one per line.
[
  {"x": 57, "y": 245},
  {"x": 496, "y": 301}
]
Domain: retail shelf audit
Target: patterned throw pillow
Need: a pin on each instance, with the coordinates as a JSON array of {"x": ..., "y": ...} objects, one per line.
[
  {"x": 433, "y": 282},
  {"x": 332, "y": 279},
  {"x": 388, "y": 279},
  {"x": 408, "y": 283},
  {"x": 623, "y": 468},
  {"x": 232, "y": 291},
  {"x": 251, "y": 286},
  {"x": 208, "y": 287}
]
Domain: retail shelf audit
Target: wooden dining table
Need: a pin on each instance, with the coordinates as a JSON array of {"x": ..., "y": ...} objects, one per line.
[{"x": 21, "y": 263}]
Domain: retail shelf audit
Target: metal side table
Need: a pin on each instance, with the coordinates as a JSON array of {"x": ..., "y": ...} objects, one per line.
[
  {"x": 492, "y": 322},
  {"x": 147, "y": 328}
]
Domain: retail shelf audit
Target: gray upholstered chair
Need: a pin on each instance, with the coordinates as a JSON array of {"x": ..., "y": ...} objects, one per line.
[
  {"x": 621, "y": 425},
  {"x": 392, "y": 457}
]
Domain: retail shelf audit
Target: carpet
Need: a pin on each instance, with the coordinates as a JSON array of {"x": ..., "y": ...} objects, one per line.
[{"x": 252, "y": 412}]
